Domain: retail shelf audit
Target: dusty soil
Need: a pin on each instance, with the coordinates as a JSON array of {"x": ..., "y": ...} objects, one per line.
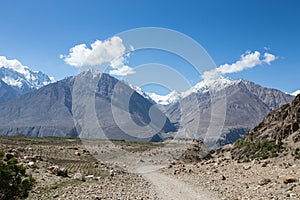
[
  {"x": 148, "y": 174},
  {"x": 276, "y": 178}
]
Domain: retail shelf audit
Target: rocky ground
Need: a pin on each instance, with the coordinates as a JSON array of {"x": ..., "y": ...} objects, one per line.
[
  {"x": 275, "y": 178},
  {"x": 65, "y": 169}
]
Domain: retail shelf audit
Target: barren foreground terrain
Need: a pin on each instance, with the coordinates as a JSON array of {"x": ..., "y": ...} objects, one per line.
[{"x": 65, "y": 168}]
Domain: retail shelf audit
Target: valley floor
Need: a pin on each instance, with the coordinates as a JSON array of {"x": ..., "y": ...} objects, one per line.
[
  {"x": 269, "y": 179},
  {"x": 89, "y": 178}
]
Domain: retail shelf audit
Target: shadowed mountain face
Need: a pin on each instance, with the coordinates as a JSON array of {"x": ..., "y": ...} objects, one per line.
[
  {"x": 46, "y": 111},
  {"x": 246, "y": 104},
  {"x": 22, "y": 80},
  {"x": 6, "y": 92},
  {"x": 279, "y": 125},
  {"x": 55, "y": 109}
]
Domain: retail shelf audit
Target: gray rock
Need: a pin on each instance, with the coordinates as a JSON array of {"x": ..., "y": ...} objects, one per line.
[
  {"x": 58, "y": 171},
  {"x": 246, "y": 105},
  {"x": 79, "y": 176},
  {"x": 8, "y": 156},
  {"x": 50, "y": 110}
]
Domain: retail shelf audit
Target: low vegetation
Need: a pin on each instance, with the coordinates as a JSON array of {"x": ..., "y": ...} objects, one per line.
[
  {"x": 246, "y": 151},
  {"x": 14, "y": 182},
  {"x": 137, "y": 146}
]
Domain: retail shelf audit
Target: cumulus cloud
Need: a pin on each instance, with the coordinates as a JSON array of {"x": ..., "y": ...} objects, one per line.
[
  {"x": 269, "y": 58},
  {"x": 247, "y": 60},
  {"x": 122, "y": 71},
  {"x": 111, "y": 52}
]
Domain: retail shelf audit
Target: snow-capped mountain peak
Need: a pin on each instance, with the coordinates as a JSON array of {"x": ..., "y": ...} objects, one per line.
[
  {"x": 295, "y": 93},
  {"x": 201, "y": 87},
  {"x": 172, "y": 97},
  {"x": 142, "y": 93},
  {"x": 20, "y": 77},
  {"x": 211, "y": 85}
]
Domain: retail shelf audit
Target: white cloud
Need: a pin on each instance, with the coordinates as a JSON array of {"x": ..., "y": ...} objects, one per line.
[
  {"x": 78, "y": 56},
  {"x": 269, "y": 58},
  {"x": 247, "y": 60},
  {"x": 110, "y": 52},
  {"x": 122, "y": 71}
]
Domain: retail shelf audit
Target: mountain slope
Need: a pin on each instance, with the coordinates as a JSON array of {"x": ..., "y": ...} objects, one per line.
[
  {"x": 277, "y": 135},
  {"x": 46, "y": 111},
  {"x": 20, "y": 77},
  {"x": 50, "y": 110},
  {"x": 279, "y": 125},
  {"x": 246, "y": 104},
  {"x": 6, "y": 92}
]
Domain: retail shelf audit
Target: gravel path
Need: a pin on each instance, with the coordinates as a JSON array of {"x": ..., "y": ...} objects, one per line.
[{"x": 169, "y": 188}]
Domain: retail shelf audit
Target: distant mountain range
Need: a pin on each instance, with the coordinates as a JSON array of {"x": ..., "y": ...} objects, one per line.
[
  {"x": 20, "y": 80},
  {"x": 50, "y": 111},
  {"x": 246, "y": 105},
  {"x": 32, "y": 105}
]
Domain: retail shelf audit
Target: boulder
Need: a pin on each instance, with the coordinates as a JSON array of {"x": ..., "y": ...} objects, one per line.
[{"x": 79, "y": 176}]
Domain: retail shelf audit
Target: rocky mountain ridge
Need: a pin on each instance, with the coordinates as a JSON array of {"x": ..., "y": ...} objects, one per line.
[
  {"x": 50, "y": 111},
  {"x": 280, "y": 125},
  {"x": 244, "y": 105},
  {"x": 20, "y": 79}
]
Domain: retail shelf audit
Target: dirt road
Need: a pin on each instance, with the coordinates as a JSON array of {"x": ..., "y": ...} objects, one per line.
[{"x": 168, "y": 188}]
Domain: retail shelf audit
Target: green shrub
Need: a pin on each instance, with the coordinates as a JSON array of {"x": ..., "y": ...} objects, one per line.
[
  {"x": 262, "y": 150},
  {"x": 14, "y": 182}
]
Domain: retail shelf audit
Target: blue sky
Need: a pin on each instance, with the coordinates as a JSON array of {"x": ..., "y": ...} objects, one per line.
[{"x": 36, "y": 32}]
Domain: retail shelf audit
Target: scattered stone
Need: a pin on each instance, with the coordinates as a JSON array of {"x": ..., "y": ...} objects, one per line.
[
  {"x": 37, "y": 157},
  {"x": 58, "y": 171},
  {"x": 62, "y": 172},
  {"x": 288, "y": 180},
  {"x": 285, "y": 165},
  {"x": 79, "y": 176},
  {"x": 15, "y": 152},
  {"x": 247, "y": 167},
  {"x": 90, "y": 176},
  {"x": 8, "y": 156},
  {"x": 264, "y": 164},
  {"x": 77, "y": 153},
  {"x": 31, "y": 164},
  {"x": 222, "y": 178},
  {"x": 264, "y": 181},
  {"x": 33, "y": 158}
]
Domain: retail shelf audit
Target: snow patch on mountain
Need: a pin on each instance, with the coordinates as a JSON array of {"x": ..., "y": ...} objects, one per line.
[
  {"x": 295, "y": 93},
  {"x": 172, "y": 97},
  {"x": 201, "y": 88},
  {"x": 210, "y": 85},
  {"x": 20, "y": 77},
  {"x": 141, "y": 92}
]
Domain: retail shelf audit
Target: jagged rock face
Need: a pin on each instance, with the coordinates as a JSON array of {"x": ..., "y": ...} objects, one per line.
[
  {"x": 45, "y": 112},
  {"x": 246, "y": 105},
  {"x": 49, "y": 111},
  {"x": 24, "y": 81},
  {"x": 279, "y": 125}
]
